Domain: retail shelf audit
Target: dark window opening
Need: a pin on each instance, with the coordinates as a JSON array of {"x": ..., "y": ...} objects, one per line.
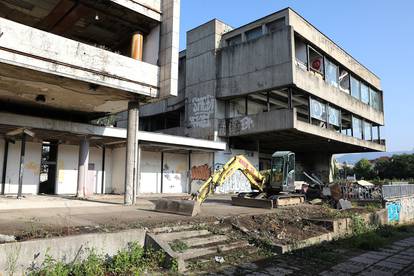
[
  {"x": 48, "y": 167},
  {"x": 234, "y": 40},
  {"x": 163, "y": 121},
  {"x": 254, "y": 34},
  {"x": 275, "y": 25}
]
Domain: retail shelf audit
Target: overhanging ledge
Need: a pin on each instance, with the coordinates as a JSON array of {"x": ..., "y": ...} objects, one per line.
[{"x": 37, "y": 123}]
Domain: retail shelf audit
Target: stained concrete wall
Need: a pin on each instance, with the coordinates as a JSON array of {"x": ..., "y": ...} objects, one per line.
[
  {"x": 31, "y": 168},
  {"x": 152, "y": 46},
  {"x": 175, "y": 173},
  {"x": 150, "y": 178},
  {"x": 256, "y": 65},
  {"x": 67, "y": 169}
]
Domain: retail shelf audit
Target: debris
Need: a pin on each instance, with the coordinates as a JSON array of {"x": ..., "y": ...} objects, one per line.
[
  {"x": 7, "y": 238},
  {"x": 219, "y": 259},
  {"x": 344, "y": 204},
  {"x": 326, "y": 191},
  {"x": 316, "y": 201}
]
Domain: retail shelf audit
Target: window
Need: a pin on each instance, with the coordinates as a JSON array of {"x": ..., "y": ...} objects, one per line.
[
  {"x": 276, "y": 25},
  {"x": 331, "y": 73},
  {"x": 334, "y": 116},
  {"x": 316, "y": 61},
  {"x": 367, "y": 131},
  {"x": 255, "y": 33},
  {"x": 375, "y": 99},
  {"x": 234, "y": 40},
  {"x": 318, "y": 110},
  {"x": 355, "y": 85},
  {"x": 364, "y": 93},
  {"x": 300, "y": 53},
  {"x": 344, "y": 80},
  {"x": 357, "y": 127}
]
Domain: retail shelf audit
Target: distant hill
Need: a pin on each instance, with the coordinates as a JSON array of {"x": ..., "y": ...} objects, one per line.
[{"x": 352, "y": 158}]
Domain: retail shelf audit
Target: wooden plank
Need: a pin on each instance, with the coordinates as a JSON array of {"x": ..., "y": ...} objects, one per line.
[{"x": 60, "y": 10}]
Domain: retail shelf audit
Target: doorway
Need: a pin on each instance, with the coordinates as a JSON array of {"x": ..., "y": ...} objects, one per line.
[{"x": 48, "y": 168}]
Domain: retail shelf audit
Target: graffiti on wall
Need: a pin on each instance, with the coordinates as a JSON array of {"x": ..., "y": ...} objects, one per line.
[
  {"x": 202, "y": 108},
  {"x": 393, "y": 210},
  {"x": 238, "y": 125}
]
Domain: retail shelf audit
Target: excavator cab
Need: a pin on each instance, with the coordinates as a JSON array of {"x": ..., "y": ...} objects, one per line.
[{"x": 282, "y": 174}]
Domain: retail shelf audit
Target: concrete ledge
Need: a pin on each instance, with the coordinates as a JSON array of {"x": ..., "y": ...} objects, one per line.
[{"x": 17, "y": 257}]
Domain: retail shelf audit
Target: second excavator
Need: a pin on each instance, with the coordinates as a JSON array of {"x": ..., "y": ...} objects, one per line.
[{"x": 271, "y": 188}]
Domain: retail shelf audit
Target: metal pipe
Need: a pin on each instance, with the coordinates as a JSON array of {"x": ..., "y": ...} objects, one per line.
[{"x": 137, "y": 46}]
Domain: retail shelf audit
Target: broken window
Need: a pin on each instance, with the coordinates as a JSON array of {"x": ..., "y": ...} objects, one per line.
[
  {"x": 234, "y": 40},
  {"x": 375, "y": 99},
  {"x": 355, "y": 86},
  {"x": 276, "y": 25},
  {"x": 316, "y": 61},
  {"x": 367, "y": 131},
  {"x": 346, "y": 123},
  {"x": 300, "y": 53},
  {"x": 334, "y": 116},
  {"x": 255, "y": 33},
  {"x": 318, "y": 110},
  {"x": 344, "y": 80},
  {"x": 357, "y": 127},
  {"x": 364, "y": 93},
  {"x": 331, "y": 73}
]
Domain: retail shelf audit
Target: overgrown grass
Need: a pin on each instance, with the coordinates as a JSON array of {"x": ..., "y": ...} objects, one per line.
[
  {"x": 131, "y": 261},
  {"x": 178, "y": 246}
]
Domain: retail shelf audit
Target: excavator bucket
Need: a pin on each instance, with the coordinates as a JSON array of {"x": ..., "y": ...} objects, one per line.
[{"x": 178, "y": 206}]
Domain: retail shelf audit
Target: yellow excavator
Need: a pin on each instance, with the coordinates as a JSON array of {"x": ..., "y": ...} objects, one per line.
[{"x": 271, "y": 188}]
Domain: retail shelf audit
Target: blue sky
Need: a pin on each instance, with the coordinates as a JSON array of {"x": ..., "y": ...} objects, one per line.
[{"x": 378, "y": 33}]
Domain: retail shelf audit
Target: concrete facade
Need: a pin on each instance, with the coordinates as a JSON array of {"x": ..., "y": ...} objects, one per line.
[{"x": 277, "y": 83}]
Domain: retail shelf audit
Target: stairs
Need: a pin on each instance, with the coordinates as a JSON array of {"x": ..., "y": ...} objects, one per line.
[{"x": 184, "y": 244}]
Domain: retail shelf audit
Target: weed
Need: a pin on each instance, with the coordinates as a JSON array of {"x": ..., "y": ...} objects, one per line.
[{"x": 178, "y": 246}]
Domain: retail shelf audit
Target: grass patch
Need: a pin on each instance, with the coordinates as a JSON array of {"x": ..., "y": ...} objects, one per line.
[
  {"x": 178, "y": 246},
  {"x": 134, "y": 260}
]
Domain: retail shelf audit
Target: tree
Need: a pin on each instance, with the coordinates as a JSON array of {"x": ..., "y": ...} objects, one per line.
[{"x": 363, "y": 169}]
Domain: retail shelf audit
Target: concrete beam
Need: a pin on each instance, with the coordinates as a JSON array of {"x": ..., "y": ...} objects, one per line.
[
  {"x": 60, "y": 56},
  {"x": 92, "y": 130},
  {"x": 149, "y": 8}
]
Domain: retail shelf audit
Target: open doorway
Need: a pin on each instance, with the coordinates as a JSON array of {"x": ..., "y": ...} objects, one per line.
[{"x": 48, "y": 167}]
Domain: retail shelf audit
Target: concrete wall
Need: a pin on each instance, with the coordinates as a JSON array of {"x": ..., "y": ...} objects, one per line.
[
  {"x": 118, "y": 170},
  {"x": 67, "y": 169},
  {"x": 237, "y": 182},
  {"x": 16, "y": 258},
  {"x": 31, "y": 168},
  {"x": 256, "y": 65},
  {"x": 77, "y": 60},
  {"x": 175, "y": 173},
  {"x": 152, "y": 46},
  {"x": 150, "y": 178},
  {"x": 400, "y": 210}
]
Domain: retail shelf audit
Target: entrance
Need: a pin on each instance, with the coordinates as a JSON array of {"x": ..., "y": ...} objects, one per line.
[{"x": 48, "y": 167}]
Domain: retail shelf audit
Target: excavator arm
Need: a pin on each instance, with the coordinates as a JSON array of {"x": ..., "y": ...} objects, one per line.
[{"x": 237, "y": 163}]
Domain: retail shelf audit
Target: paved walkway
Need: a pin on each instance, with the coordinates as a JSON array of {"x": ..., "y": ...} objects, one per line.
[{"x": 397, "y": 259}]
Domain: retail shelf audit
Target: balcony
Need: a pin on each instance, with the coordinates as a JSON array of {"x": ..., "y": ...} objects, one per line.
[{"x": 281, "y": 129}]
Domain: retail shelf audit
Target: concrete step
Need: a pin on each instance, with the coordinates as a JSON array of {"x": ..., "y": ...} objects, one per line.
[
  {"x": 194, "y": 253},
  {"x": 170, "y": 229},
  {"x": 182, "y": 235},
  {"x": 199, "y": 241}
]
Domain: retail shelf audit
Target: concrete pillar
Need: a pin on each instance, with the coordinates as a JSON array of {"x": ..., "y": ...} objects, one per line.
[
  {"x": 137, "y": 45},
  {"x": 132, "y": 164},
  {"x": 21, "y": 169},
  {"x": 5, "y": 156},
  {"x": 83, "y": 167}
]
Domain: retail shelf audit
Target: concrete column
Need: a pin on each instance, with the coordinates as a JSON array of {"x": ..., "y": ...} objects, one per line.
[
  {"x": 21, "y": 170},
  {"x": 132, "y": 164},
  {"x": 137, "y": 45},
  {"x": 5, "y": 156},
  {"x": 83, "y": 167}
]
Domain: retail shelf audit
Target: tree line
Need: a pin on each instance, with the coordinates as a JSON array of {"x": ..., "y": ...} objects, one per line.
[{"x": 396, "y": 167}]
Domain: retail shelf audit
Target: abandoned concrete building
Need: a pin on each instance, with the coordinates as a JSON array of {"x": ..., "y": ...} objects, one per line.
[
  {"x": 274, "y": 84},
  {"x": 277, "y": 83}
]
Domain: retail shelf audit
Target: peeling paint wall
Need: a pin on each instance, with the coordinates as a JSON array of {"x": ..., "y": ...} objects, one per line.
[
  {"x": 67, "y": 169},
  {"x": 31, "y": 168}
]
